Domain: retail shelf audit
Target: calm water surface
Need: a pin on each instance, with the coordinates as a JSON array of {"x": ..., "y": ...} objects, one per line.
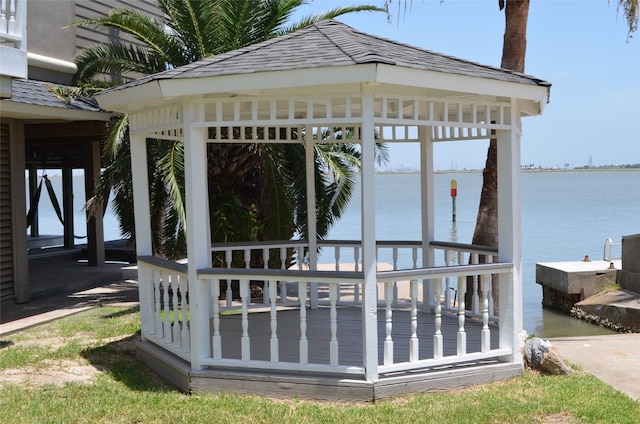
[{"x": 565, "y": 216}]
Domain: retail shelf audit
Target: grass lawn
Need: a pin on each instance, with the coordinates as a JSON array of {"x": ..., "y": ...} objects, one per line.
[{"x": 82, "y": 369}]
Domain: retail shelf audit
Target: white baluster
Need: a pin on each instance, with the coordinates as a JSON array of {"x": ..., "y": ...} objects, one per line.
[
  {"x": 228, "y": 255},
  {"x": 283, "y": 265},
  {"x": 437, "y": 337},
  {"x": 3, "y": 17},
  {"x": 485, "y": 335},
  {"x": 388, "y": 342},
  {"x": 462, "y": 335},
  {"x": 217, "y": 338},
  {"x": 333, "y": 320},
  {"x": 300, "y": 257},
  {"x": 414, "y": 253},
  {"x": 12, "y": 26},
  {"x": 245, "y": 340},
  {"x": 184, "y": 291},
  {"x": 158, "y": 305},
  {"x": 283, "y": 258},
  {"x": 149, "y": 300},
  {"x": 274, "y": 349},
  {"x": 247, "y": 258},
  {"x": 447, "y": 293},
  {"x": 395, "y": 268},
  {"x": 414, "y": 346},
  {"x": 475, "y": 300},
  {"x": 490, "y": 291},
  {"x": 265, "y": 260},
  {"x": 304, "y": 343},
  {"x": 166, "y": 286},
  {"x": 394, "y": 254},
  {"x": 356, "y": 287},
  {"x": 336, "y": 250},
  {"x": 175, "y": 337}
]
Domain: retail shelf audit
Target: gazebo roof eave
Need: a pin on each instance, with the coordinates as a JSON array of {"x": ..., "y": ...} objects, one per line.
[{"x": 157, "y": 91}]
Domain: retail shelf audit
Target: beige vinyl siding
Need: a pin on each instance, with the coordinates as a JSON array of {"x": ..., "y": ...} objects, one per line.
[
  {"x": 6, "y": 238},
  {"x": 86, "y": 37}
]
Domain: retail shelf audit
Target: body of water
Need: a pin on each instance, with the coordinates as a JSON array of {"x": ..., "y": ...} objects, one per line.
[{"x": 565, "y": 216}]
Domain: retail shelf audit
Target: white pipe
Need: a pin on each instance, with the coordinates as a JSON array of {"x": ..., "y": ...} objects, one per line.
[{"x": 51, "y": 63}]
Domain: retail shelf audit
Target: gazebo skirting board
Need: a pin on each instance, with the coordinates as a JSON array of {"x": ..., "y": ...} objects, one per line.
[{"x": 306, "y": 327}]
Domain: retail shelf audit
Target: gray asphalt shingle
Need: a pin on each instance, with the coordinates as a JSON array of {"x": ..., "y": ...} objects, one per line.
[
  {"x": 38, "y": 93},
  {"x": 329, "y": 43}
]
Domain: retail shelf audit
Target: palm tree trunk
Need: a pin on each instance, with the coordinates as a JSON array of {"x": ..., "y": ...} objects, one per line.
[{"x": 513, "y": 56}]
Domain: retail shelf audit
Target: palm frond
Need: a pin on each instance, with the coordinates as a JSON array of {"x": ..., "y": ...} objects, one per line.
[
  {"x": 331, "y": 14},
  {"x": 197, "y": 24},
  {"x": 146, "y": 30},
  {"x": 116, "y": 59},
  {"x": 118, "y": 135}
]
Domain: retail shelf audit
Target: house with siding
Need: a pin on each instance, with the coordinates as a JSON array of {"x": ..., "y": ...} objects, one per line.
[{"x": 39, "y": 131}]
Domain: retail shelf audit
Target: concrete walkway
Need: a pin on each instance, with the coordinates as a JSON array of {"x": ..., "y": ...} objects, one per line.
[
  {"x": 15, "y": 317},
  {"x": 614, "y": 359}
]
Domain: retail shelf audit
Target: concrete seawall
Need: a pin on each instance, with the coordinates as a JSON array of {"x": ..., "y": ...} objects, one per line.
[{"x": 602, "y": 292}]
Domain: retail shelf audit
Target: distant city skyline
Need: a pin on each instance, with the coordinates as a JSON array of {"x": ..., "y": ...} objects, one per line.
[{"x": 578, "y": 46}]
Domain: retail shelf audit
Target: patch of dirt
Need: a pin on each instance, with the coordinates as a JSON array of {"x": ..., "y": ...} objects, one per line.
[
  {"x": 57, "y": 373},
  {"x": 561, "y": 418}
]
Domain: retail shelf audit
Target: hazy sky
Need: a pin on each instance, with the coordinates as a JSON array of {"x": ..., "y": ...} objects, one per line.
[{"x": 578, "y": 46}]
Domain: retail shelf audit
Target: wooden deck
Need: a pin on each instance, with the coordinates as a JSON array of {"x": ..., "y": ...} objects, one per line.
[
  {"x": 349, "y": 335},
  {"x": 333, "y": 387}
]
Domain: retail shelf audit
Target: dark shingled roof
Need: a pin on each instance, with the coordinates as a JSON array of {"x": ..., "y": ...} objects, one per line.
[
  {"x": 329, "y": 43},
  {"x": 37, "y": 93}
]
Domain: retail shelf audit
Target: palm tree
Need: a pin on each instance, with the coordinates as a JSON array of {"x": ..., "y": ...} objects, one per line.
[
  {"x": 256, "y": 191},
  {"x": 513, "y": 57}
]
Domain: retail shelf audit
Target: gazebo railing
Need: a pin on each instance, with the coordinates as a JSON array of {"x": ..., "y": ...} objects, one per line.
[
  {"x": 240, "y": 332},
  {"x": 166, "y": 309},
  {"x": 458, "y": 254}
]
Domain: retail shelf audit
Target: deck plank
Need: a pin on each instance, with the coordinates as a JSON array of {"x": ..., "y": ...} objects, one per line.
[{"x": 349, "y": 335}]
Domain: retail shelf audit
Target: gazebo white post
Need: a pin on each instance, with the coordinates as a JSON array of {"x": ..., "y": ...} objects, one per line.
[
  {"x": 369, "y": 290},
  {"x": 427, "y": 210},
  {"x": 198, "y": 232},
  {"x": 509, "y": 234},
  {"x": 140, "y": 183},
  {"x": 311, "y": 210}
]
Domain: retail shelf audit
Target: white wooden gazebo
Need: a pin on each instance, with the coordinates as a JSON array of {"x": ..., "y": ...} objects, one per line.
[{"x": 362, "y": 333}]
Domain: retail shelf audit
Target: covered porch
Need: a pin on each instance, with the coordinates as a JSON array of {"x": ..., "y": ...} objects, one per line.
[{"x": 330, "y": 322}]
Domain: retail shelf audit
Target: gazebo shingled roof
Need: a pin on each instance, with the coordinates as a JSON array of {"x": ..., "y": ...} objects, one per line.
[{"x": 329, "y": 43}]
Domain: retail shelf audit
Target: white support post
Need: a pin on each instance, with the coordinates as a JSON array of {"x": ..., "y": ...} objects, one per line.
[
  {"x": 510, "y": 235},
  {"x": 198, "y": 233},
  {"x": 311, "y": 210},
  {"x": 369, "y": 290},
  {"x": 140, "y": 182},
  {"x": 428, "y": 210}
]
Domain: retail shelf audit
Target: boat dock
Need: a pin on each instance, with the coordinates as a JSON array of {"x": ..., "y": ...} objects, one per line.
[{"x": 605, "y": 292}]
